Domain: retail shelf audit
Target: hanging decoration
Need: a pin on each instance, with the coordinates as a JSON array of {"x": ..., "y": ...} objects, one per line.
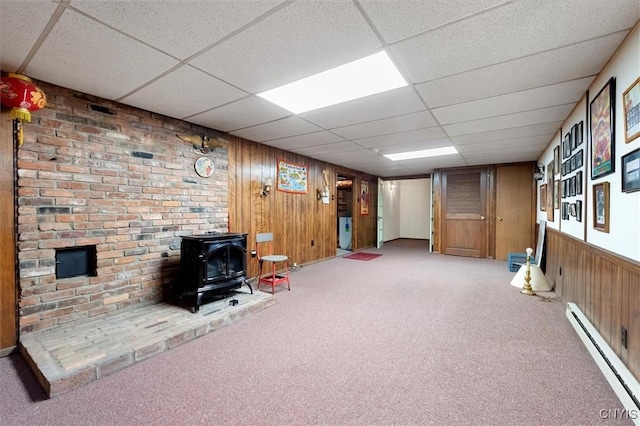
[{"x": 23, "y": 96}]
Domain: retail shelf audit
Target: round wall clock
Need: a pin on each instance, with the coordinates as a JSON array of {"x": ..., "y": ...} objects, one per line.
[{"x": 204, "y": 166}]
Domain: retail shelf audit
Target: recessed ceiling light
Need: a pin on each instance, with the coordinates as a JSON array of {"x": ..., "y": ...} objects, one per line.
[
  {"x": 435, "y": 152},
  {"x": 367, "y": 76}
]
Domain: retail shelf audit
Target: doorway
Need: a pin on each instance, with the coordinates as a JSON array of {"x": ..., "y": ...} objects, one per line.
[{"x": 344, "y": 206}]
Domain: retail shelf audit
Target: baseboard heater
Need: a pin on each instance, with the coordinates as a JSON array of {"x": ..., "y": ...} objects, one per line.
[{"x": 621, "y": 380}]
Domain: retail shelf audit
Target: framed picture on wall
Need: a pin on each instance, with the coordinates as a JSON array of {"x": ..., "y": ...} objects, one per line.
[
  {"x": 543, "y": 197},
  {"x": 580, "y": 133},
  {"x": 549, "y": 190},
  {"x": 602, "y": 131},
  {"x": 631, "y": 102},
  {"x": 556, "y": 158},
  {"x": 556, "y": 194},
  {"x": 364, "y": 197},
  {"x": 579, "y": 183},
  {"x": 601, "y": 206},
  {"x": 631, "y": 171},
  {"x": 579, "y": 210}
]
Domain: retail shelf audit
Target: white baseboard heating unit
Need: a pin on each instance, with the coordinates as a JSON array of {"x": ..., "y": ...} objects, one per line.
[{"x": 621, "y": 380}]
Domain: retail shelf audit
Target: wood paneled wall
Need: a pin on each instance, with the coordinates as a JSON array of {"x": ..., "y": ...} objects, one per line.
[
  {"x": 304, "y": 228},
  {"x": 8, "y": 301},
  {"x": 604, "y": 285}
]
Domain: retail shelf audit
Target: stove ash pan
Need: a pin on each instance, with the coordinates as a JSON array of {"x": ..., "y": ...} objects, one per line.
[{"x": 212, "y": 264}]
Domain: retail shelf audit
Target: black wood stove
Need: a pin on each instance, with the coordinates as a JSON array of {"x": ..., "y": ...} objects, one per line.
[{"x": 212, "y": 264}]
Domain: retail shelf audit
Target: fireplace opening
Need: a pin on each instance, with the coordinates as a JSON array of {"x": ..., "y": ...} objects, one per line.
[
  {"x": 76, "y": 262},
  {"x": 212, "y": 264}
]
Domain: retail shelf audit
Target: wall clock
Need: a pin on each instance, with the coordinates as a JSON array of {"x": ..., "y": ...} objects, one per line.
[{"x": 204, "y": 166}]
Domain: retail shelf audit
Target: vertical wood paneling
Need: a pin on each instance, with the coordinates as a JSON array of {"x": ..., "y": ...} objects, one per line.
[
  {"x": 633, "y": 325},
  {"x": 8, "y": 329},
  {"x": 295, "y": 219},
  {"x": 605, "y": 286}
]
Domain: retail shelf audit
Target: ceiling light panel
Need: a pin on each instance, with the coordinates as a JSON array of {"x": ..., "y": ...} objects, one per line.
[{"x": 363, "y": 77}]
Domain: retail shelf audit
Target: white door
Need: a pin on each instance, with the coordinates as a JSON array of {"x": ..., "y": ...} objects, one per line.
[{"x": 380, "y": 213}]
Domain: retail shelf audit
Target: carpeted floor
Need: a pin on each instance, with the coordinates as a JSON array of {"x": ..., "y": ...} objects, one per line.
[{"x": 412, "y": 338}]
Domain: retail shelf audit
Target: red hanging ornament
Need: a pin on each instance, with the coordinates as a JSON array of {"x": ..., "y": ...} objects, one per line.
[{"x": 19, "y": 93}]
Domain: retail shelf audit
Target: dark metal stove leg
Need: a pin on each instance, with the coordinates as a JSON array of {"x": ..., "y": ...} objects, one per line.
[{"x": 249, "y": 285}]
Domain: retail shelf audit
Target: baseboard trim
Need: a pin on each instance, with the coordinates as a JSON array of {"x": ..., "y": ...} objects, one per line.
[
  {"x": 621, "y": 380},
  {"x": 8, "y": 351}
]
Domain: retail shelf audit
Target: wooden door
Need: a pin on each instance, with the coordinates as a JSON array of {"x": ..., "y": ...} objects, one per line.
[
  {"x": 514, "y": 210},
  {"x": 8, "y": 329},
  {"x": 464, "y": 204}
]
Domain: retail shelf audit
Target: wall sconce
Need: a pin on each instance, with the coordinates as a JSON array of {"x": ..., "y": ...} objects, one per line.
[
  {"x": 266, "y": 187},
  {"x": 392, "y": 185}
]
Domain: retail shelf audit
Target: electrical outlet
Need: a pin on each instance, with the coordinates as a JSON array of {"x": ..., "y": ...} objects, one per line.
[
  {"x": 313, "y": 243},
  {"x": 623, "y": 337}
]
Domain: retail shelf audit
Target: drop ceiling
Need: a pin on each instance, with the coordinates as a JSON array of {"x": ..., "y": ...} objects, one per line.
[{"x": 494, "y": 78}]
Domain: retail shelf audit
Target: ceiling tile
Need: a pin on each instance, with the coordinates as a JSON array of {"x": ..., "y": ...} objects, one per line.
[
  {"x": 295, "y": 143},
  {"x": 383, "y": 105},
  {"x": 187, "y": 27},
  {"x": 277, "y": 50},
  {"x": 516, "y": 32},
  {"x": 338, "y": 149},
  {"x": 555, "y": 66},
  {"x": 512, "y": 133},
  {"x": 507, "y": 121},
  {"x": 21, "y": 22},
  {"x": 553, "y": 95},
  {"x": 246, "y": 112},
  {"x": 398, "y": 20},
  {"x": 91, "y": 65},
  {"x": 166, "y": 95},
  {"x": 402, "y": 123},
  {"x": 290, "y": 126},
  {"x": 514, "y": 145},
  {"x": 402, "y": 138}
]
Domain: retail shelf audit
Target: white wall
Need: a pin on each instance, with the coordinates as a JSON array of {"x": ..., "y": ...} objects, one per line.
[
  {"x": 624, "y": 229},
  {"x": 391, "y": 218},
  {"x": 406, "y": 209}
]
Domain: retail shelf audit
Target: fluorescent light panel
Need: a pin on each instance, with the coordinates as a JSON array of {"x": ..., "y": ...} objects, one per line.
[
  {"x": 367, "y": 76},
  {"x": 435, "y": 152}
]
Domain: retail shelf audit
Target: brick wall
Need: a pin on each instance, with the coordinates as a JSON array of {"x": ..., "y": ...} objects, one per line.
[{"x": 95, "y": 172}]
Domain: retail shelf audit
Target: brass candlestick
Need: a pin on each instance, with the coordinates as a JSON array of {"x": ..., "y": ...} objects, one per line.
[{"x": 526, "y": 289}]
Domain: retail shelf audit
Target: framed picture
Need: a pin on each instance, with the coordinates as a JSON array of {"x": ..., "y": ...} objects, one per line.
[
  {"x": 292, "y": 177},
  {"x": 543, "y": 198},
  {"x": 579, "y": 210},
  {"x": 364, "y": 197},
  {"x": 565, "y": 211},
  {"x": 601, "y": 206},
  {"x": 602, "y": 131},
  {"x": 556, "y": 158},
  {"x": 556, "y": 194},
  {"x": 580, "y": 133},
  {"x": 631, "y": 171},
  {"x": 579, "y": 183},
  {"x": 579, "y": 159},
  {"x": 574, "y": 137},
  {"x": 572, "y": 209},
  {"x": 572, "y": 186},
  {"x": 566, "y": 146},
  {"x": 631, "y": 102},
  {"x": 572, "y": 161},
  {"x": 564, "y": 188},
  {"x": 549, "y": 189}
]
